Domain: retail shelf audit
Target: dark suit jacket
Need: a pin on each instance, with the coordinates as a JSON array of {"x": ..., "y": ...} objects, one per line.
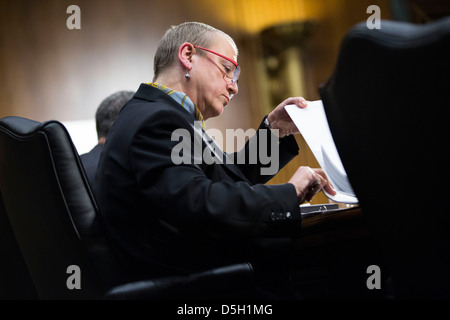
[
  {"x": 90, "y": 162},
  {"x": 165, "y": 218}
]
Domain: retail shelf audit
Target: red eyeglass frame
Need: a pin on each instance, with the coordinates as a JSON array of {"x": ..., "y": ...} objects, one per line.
[
  {"x": 220, "y": 55},
  {"x": 237, "y": 71}
]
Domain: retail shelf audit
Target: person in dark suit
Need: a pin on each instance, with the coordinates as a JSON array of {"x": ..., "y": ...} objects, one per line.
[
  {"x": 106, "y": 114},
  {"x": 172, "y": 200}
]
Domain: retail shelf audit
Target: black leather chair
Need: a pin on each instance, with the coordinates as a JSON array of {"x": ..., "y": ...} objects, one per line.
[
  {"x": 52, "y": 222},
  {"x": 388, "y": 107},
  {"x": 15, "y": 281}
]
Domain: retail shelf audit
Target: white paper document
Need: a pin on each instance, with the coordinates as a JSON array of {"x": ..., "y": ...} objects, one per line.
[{"x": 313, "y": 125}]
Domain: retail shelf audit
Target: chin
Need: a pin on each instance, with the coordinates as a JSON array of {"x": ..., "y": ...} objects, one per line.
[
  {"x": 221, "y": 111},
  {"x": 214, "y": 110},
  {"x": 217, "y": 111}
]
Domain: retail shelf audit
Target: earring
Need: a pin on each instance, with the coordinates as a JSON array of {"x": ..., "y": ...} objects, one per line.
[{"x": 187, "y": 75}]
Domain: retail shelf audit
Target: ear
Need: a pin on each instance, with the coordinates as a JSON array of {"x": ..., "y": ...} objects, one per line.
[{"x": 185, "y": 54}]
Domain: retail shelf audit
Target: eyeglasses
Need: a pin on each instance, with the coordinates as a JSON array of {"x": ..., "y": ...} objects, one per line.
[{"x": 231, "y": 72}]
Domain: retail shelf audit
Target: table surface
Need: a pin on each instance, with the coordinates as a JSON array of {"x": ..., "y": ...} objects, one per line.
[{"x": 342, "y": 224}]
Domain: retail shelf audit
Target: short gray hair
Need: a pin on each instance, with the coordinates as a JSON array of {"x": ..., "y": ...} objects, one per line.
[
  {"x": 108, "y": 111},
  {"x": 196, "y": 33}
]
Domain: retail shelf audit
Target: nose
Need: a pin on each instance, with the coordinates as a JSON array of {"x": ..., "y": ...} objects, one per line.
[{"x": 232, "y": 88}]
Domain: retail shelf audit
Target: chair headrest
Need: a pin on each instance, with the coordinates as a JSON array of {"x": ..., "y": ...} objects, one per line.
[
  {"x": 397, "y": 34},
  {"x": 20, "y": 126}
]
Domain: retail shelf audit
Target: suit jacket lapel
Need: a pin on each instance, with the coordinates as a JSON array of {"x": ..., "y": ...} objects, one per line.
[{"x": 150, "y": 93}]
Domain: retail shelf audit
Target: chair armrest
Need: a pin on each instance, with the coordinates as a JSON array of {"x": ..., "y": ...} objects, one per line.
[{"x": 232, "y": 281}]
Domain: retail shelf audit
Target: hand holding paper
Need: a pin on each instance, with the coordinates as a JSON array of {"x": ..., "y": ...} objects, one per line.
[
  {"x": 313, "y": 125},
  {"x": 279, "y": 119}
]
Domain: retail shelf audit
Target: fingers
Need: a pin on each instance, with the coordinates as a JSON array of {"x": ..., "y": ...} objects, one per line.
[
  {"x": 302, "y": 180},
  {"x": 328, "y": 187},
  {"x": 302, "y": 103},
  {"x": 308, "y": 182},
  {"x": 279, "y": 114},
  {"x": 298, "y": 101},
  {"x": 313, "y": 190},
  {"x": 316, "y": 185}
]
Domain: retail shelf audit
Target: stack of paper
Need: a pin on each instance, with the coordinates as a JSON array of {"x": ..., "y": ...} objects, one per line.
[{"x": 313, "y": 125}]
